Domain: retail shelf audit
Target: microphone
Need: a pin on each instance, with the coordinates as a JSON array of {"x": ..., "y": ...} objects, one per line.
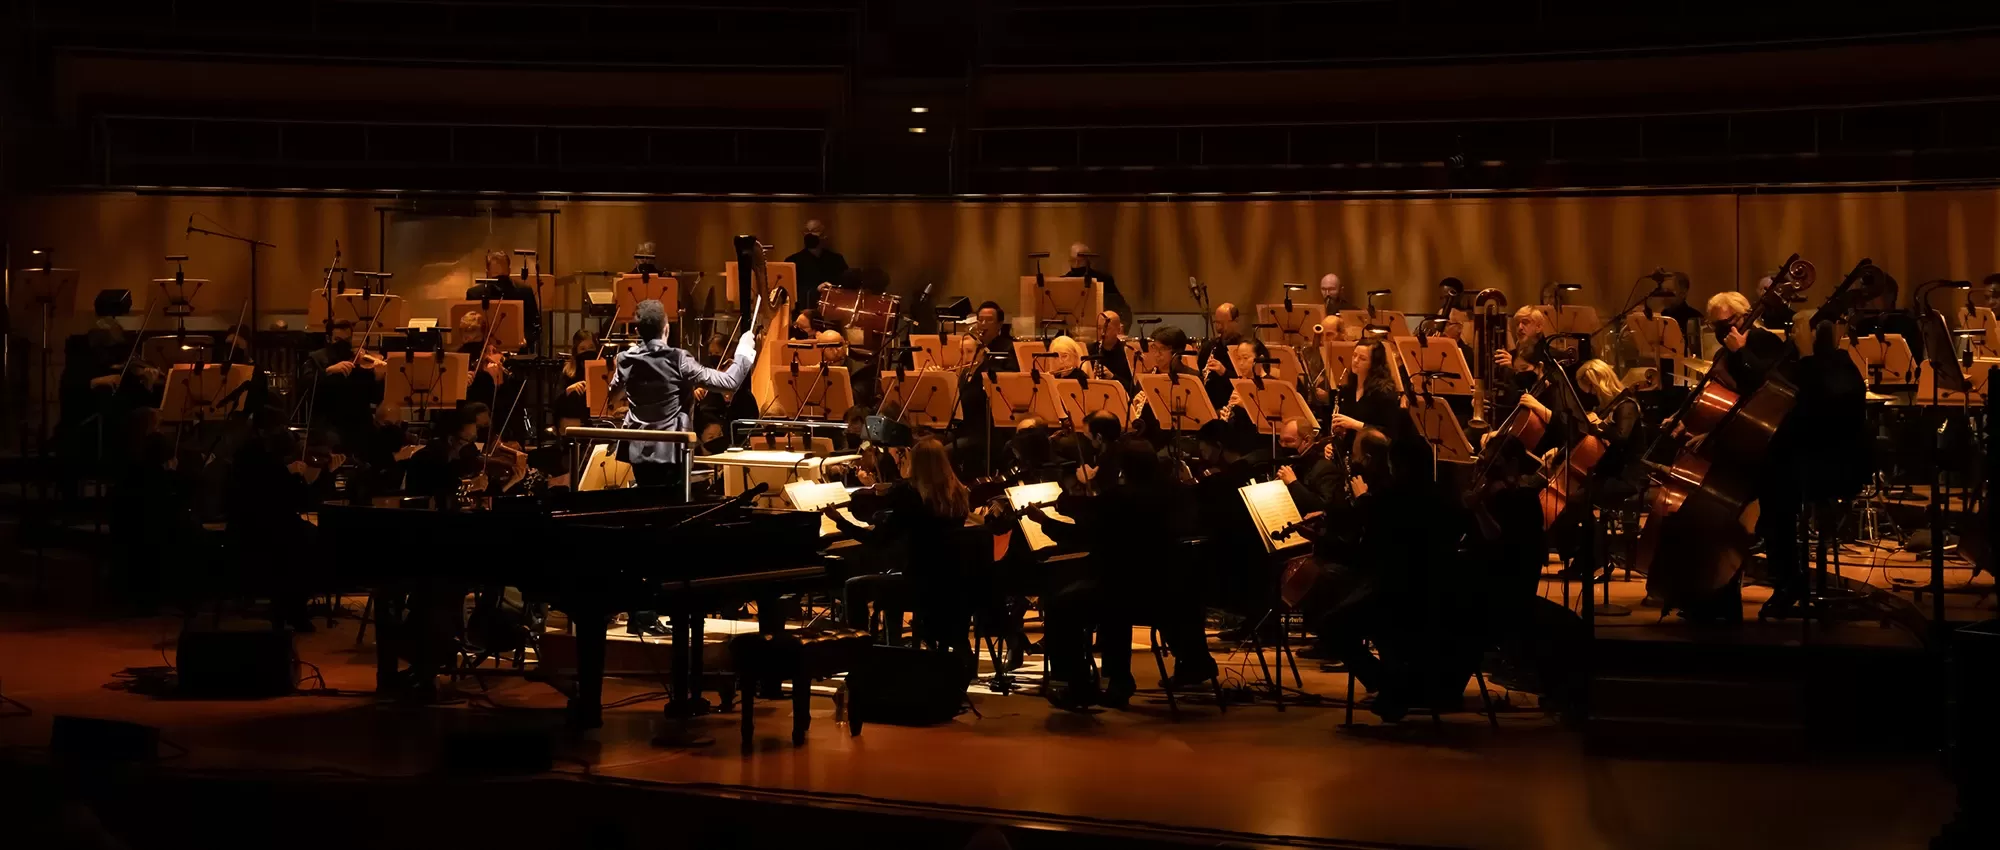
[
  {"x": 1659, "y": 276},
  {"x": 1194, "y": 289},
  {"x": 190, "y": 227}
]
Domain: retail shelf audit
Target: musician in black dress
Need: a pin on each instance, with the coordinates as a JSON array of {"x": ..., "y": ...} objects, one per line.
[
  {"x": 505, "y": 288},
  {"x": 1367, "y": 396},
  {"x": 1610, "y": 415},
  {"x": 651, "y": 376}
]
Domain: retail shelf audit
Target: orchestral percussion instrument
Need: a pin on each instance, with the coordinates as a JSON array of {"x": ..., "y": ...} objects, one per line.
[{"x": 871, "y": 312}]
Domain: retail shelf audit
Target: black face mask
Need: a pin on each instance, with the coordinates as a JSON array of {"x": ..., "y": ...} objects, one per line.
[{"x": 812, "y": 241}]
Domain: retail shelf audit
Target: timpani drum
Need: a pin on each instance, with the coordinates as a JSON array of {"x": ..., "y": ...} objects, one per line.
[{"x": 874, "y": 314}]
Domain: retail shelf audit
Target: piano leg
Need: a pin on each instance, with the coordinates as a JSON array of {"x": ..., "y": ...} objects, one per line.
[
  {"x": 388, "y": 634},
  {"x": 678, "y": 704},
  {"x": 587, "y": 706}
]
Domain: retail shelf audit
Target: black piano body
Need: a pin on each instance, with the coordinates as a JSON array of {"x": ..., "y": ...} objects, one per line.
[{"x": 590, "y": 555}]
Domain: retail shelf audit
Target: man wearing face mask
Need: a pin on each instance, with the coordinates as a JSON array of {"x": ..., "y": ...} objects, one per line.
[{"x": 817, "y": 263}]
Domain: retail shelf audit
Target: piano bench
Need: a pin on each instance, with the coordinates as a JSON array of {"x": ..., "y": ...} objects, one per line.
[{"x": 801, "y": 656}]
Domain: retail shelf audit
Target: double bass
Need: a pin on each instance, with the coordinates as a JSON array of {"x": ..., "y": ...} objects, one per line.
[{"x": 1695, "y": 538}]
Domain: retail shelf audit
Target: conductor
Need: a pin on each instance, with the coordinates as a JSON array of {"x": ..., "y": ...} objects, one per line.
[{"x": 652, "y": 376}]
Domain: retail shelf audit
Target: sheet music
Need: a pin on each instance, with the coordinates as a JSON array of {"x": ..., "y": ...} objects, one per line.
[
  {"x": 1272, "y": 508},
  {"x": 1023, "y": 495},
  {"x": 819, "y": 495}
]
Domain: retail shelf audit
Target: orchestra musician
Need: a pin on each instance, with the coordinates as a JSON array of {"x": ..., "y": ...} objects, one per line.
[
  {"x": 1127, "y": 578},
  {"x": 1228, "y": 332},
  {"x": 1113, "y": 349},
  {"x": 1311, "y": 476},
  {"x": 505, "y": 288},
  {"x": 649, "y": 376},
  {"x": 1375, "y": 554},
  {"x": 1163, "y": 357},
  {"x": 643, "y": 260},
  {"x": 265, "y": 494},
  {"x": 817, "y": 263},
  {"x": 1676, "y": 306},
  {"x": 1749, "y": 351},
  {"x": 1523, "y": 358},
  {"x": 1068, "y": 360},
  {"x": 833, "y": 351},
  {"x": 1081, "y": 266},
  {"x": 926, "y": 513},
  {"x": 1819, "y": 455},
  {"x": 1367, "y": 396},
  {"x": 574, "y": 406},
  {"x": 991, "y": 330},
  {"x": 1332, "y": 295},
  {"x": 343, "y": 386},
  {"x": 1611, "y": 415}
]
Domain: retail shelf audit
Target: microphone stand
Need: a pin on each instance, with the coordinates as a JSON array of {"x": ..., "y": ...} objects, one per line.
[{"x": 253, "y": 245}]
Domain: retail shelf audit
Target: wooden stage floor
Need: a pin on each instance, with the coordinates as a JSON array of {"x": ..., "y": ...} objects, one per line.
[{"x": 1528, "y": 784}]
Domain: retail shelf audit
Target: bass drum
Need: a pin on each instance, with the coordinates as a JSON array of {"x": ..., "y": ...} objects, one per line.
[{"x": 872, "y": 314}]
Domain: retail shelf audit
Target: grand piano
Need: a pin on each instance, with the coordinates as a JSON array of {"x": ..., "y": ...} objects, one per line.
[{"x": 588, "y": 554}]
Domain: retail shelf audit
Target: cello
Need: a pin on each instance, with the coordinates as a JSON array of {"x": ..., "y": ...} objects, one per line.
[{"x": 1695, "y": 538}]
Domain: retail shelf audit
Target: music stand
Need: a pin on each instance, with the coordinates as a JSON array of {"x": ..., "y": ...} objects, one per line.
[
  {"x": 1014, "y": 396},
  {"x": 940, "y": 350},
  {"x": 1025, "y": 351},
  {"x": 1289, "y": 327},
  {"x": 509, "y": 334},
  {"x": 1273, "y": 403},
  {"x": 597, "y": 387},
  {"x": 628, "y": 290},
  {"x": 1436, "y": 365},
  {"x": 1397, "y": 323},
  {"x": 195, "y": 391},
  {"x": 1976, "y": 378},
  {"x": 1434, "y": 419},
  {"x": 1064, "y": 299},
  {"x": 604, "y": 471},
  {"x": 1079, "y": 399},
  {"x": 1885, "y": 359},
  {"x": 1339, "y": 352},
  {"x": 1571, "y": 318},
  {"x": 1182, "y": 405},
  {"x": 783, "y": 276},
  {"x": 1290, "y": 366},
  {"x": 925, "y": 398},
  {"x": 811, "y": 392},
  {"x": 420, "y": 382}
]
